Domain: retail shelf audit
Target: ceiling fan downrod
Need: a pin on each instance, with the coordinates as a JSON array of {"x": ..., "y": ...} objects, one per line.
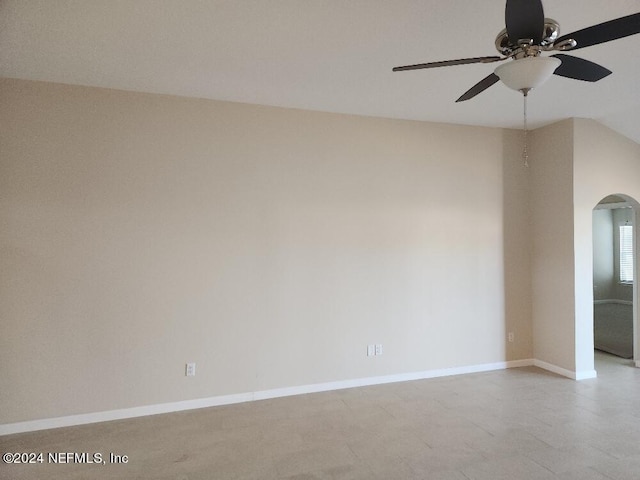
[{"x": 525, "y": 150}]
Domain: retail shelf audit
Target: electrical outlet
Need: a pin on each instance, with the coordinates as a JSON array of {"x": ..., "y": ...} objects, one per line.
[
  {"x": 379, "y": 349},
  {"x": 371, "y": 350},
  {"x": 510, "y": 337},
  {"x": 190, "y": 370}
]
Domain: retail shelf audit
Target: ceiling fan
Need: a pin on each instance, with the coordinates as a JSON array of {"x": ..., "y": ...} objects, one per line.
[{"x": 527, "y": 34}]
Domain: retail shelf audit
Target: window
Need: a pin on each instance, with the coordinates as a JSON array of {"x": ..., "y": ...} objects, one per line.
[{"x": 626, "y": 254}]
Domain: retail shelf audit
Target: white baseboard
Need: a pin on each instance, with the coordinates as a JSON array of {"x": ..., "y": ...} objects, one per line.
[
  {"x": 83, "y": 419},
  {"x": 582, "y": 375},
  {"x": 613, "y": 300},
  {"x": 105, "y": 416},
  {"x": 585, "y": 375}
]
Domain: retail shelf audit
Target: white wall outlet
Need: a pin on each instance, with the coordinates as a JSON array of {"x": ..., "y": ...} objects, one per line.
[
  {"x": 379, "y": 349},
  {"x": 510, "y": 337},
  {"x": 371, "y": 350},
  {"x": 190, "y": 370}
]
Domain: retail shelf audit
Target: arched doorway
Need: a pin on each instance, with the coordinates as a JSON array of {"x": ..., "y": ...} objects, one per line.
[{"x": 615, "y": 276}]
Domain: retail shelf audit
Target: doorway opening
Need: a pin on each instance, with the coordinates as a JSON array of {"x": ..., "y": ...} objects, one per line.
[{"x": 615, "y": 277}]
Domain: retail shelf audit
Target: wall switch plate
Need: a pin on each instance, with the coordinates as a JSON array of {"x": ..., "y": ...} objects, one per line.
[
  {"x": 379, "y": 349},
  {"x": 371, "y": 350},
  {"x": 190, "y": 370}
]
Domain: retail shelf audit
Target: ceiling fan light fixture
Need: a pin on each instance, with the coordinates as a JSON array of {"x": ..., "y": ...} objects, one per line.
[{"x": 527, "y": 73}]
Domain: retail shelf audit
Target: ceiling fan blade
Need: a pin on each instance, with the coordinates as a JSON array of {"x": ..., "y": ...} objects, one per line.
[
  {"x": 479, "y": 87},
  {"x": 605, "y": 32},
  {"x": 448, "y": 63},
  {"x": 524, "y": 19},
  {"x": 580, "y": 69}
]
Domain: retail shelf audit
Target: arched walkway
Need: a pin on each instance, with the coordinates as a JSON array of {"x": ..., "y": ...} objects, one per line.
[{"x": 610, "y": 294}]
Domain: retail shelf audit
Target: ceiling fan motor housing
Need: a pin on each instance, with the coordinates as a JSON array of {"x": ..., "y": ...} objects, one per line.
[{"x": 509, "y": 47}]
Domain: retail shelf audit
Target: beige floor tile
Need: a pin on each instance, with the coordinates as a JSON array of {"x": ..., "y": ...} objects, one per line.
[
  {"x": 586, "y": 473},
  {"x": 567, "y": 459},
  {"x": 508, "y": 443},
  {"x": 621, "y": 469},
  {"x": 517, "y": 467},
  {"x": 445, "y": 458}
]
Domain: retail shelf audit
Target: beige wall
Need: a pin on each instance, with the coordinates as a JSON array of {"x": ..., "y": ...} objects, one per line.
[
  {"x": 605, "y": 163},
  {"x": 517, "y": 246},
  {"x": 574, "y": 165},
  {"x": 551, "y": 165},
  {"x": 269, "y": 246}
]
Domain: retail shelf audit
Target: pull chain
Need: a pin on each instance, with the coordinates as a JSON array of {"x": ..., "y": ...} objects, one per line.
[{"x": 525, "y": 153}]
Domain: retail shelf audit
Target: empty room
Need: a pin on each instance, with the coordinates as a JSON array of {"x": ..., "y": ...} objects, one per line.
[{"x": 326, "y": 239}]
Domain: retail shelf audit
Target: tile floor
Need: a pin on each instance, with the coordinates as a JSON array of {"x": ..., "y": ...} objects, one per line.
[{"x": 518, "y": 424}]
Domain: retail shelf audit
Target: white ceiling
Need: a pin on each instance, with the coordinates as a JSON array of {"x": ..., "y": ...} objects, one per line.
[{"x": 329, "y": 55}]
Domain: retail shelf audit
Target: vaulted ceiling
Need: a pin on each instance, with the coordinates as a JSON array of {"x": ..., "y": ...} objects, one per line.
[{"x": 328, "y": 55}]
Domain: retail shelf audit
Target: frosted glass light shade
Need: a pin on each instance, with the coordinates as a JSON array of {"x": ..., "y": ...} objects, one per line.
[{"x": 527, "y": 73}]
